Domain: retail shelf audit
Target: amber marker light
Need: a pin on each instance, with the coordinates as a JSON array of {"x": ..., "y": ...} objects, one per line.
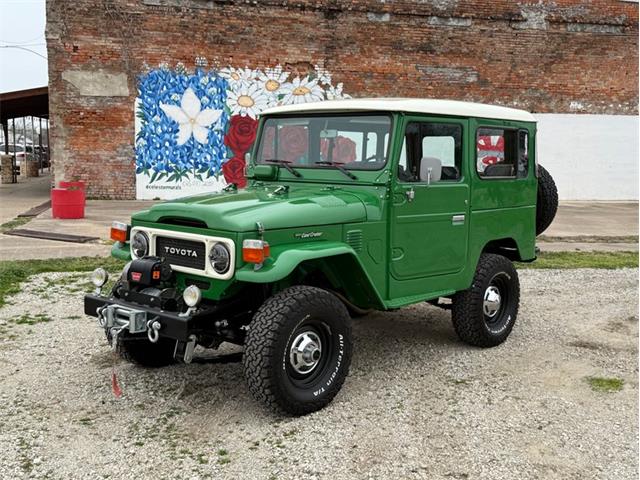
[
  {"x": 120, "y": 232},
  {"x": 255, "y": 251}
]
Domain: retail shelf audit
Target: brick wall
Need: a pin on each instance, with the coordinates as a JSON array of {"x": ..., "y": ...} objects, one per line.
[{"x": 564, "y": 56}]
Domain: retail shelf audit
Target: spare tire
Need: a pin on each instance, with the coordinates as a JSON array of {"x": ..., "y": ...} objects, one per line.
[{"x": 547, "y": 203}]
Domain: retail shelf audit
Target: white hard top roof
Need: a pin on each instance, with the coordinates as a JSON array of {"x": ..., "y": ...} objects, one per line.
[{"x": 414, "y": 105}]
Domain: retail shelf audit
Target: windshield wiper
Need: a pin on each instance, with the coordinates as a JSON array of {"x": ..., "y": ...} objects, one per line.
[
  {"x": 285, "y": 164},
  {"x": 339, "y": 167}
]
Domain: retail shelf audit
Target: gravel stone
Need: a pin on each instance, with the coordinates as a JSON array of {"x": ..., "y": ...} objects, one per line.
[{"x": 418, "y": 404}]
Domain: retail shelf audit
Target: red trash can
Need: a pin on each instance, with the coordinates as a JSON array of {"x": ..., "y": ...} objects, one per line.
[
  {"x": 68, "y": 200},
  {"x": 72, "y": 185}
]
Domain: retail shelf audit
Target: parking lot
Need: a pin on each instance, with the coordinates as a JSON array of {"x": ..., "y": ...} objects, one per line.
[{"x": 557, "y": 400}]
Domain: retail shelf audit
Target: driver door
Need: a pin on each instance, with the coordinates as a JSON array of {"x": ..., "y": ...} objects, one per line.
[{"x": 430, "y": 215}]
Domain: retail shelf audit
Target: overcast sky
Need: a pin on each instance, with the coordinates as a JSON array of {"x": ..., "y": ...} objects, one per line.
[{"x": 22, "y": 24}]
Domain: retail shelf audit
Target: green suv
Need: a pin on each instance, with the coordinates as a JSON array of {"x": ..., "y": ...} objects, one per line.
[{"x": 351, "y": 206}]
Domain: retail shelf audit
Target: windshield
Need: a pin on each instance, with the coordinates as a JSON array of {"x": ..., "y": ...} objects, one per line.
[{"x": 353, "y": 141}]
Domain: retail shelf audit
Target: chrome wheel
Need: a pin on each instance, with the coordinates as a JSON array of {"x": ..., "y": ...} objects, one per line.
[
  {"x": 492, "y": 301},
  {"x": 305, "y": 352}
]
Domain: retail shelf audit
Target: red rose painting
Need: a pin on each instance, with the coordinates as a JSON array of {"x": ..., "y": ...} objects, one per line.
[
  {"x": 344, "y": 149},
  {"x": 233, "y": 171},
  {"x": 268, "y": 138},
  {"x": 239, "y": 138},
  {"x": 241, "y": 134},
  {"x": 294, "y": 141}
]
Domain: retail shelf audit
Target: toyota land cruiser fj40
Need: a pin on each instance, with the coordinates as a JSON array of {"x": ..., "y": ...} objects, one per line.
[{"x": 351, "y": 206}]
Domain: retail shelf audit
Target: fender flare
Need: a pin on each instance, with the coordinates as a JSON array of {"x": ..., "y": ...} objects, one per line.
[{"x": 286, "y": 258}]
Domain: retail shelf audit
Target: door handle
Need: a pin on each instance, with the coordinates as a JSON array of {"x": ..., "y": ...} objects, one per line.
[
  {"x": 457, "y": 220},
  {"x": 410, "y": 194}
]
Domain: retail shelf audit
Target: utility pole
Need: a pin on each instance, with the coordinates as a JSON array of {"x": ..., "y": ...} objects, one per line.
[
  {"x": 14, "y": 178},
  {"x": 23, "y": 166}
]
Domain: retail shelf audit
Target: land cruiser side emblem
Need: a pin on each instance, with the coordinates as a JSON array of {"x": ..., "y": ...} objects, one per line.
[
  {"x": 307, "y": 234},
  {"x": 185, "y": 252}
]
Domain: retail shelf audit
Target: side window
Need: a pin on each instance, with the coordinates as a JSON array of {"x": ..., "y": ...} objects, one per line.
[
  {"x": 523, "y": 153},
  {"x": 431, "y": 149},
  {"x": 502, "y": 153}
]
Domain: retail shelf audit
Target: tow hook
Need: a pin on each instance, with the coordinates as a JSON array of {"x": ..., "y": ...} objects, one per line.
[
  {"x": 153, "y": 329},
  {"x": 184, "y": 350}
]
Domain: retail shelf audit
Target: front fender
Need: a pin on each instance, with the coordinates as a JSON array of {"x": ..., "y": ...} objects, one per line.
[
  {"x": 285, "y": 258},
  {"x": 121, "y": 251}
]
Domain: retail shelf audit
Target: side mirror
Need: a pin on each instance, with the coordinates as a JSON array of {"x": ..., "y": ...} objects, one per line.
[
  {"x": 264, "y": 172},
  {"x": 430, "y": 170}
]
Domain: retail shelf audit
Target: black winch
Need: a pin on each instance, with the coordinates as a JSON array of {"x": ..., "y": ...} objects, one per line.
[{"x": 149, "y": 271}]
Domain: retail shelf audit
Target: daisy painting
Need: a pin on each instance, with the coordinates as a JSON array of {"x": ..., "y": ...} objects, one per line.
[
  {"x": 272, "y": 79},
  {"x": 302, "y": 90},
  {"x": 248, "y": 99}
]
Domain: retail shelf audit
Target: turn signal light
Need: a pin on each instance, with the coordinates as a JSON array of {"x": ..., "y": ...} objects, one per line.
[
  {"x": 255, "y": 251},
  {"x": 120, "y": 232}
]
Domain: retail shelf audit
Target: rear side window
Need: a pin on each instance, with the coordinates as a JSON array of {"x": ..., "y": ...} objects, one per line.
[{"x": 502, "y": 153}]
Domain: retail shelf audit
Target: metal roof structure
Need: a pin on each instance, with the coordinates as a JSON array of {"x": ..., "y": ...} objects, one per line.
[{"x": 33, "y": 102}]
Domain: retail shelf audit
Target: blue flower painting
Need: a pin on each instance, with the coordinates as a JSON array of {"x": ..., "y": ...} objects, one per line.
[{"x": 183, "y": 118}]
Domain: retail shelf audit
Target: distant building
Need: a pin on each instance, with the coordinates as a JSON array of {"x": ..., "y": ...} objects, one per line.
[{"x": 566, "y": 59}]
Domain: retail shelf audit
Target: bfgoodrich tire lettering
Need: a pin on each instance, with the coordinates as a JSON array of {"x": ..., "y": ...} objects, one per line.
[
  {"x": 300, "y": 312},
  {"x": 484, "y": 314}
]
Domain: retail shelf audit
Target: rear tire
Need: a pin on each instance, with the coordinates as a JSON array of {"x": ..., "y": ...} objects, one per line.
[
  {"x": 547, "y": 202},
  {"x": 298, "y": 350},
  {"x": 484, "y": 314}
]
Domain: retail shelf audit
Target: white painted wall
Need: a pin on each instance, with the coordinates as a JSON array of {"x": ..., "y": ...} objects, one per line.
[{"x": 591, "y": 157}]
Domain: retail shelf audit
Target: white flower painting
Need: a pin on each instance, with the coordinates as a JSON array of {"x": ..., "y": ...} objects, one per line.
[
  {"x": 192, "y": 120},
  {"x": 248, "y": 99},
  {"x": 273, "y": 78},
  {"x": 251, "y": 91},
  {"x": 302, "y": 90}
]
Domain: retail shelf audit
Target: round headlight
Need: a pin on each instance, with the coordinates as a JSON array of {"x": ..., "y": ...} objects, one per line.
[
  {"x": 220, "y": 258},
  {"x": 140, "y": 244},
  {"x": 192, "y": 295},
  {"x": 99, "y": 277}
]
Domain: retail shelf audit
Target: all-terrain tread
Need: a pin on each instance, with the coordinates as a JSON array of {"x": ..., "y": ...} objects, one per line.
[
  {"x": 466, "y": 311},
  {"x": 547, "y": 200},
  {"x": 260, "y": 344}
]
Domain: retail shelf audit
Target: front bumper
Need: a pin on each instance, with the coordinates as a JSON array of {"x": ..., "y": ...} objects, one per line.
[{"x": 135, "y": 318}]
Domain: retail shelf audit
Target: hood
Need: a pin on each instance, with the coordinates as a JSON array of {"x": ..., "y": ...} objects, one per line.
[{"x": 239, "y": 211}]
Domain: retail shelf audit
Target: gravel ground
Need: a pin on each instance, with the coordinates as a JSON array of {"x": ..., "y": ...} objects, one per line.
[{"x": 417, "y": 404}]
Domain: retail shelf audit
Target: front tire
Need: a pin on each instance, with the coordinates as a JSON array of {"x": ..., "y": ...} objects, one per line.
[
  {"x": 298, "y": 350},
  {"x": 484, "y": 314}
]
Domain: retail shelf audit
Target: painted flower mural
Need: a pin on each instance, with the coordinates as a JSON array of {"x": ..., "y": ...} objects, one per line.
[
  {"x": 191, "y": 118},
  {"x": 490, "y": 151},
  {"x": 194, "y": 129}
]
